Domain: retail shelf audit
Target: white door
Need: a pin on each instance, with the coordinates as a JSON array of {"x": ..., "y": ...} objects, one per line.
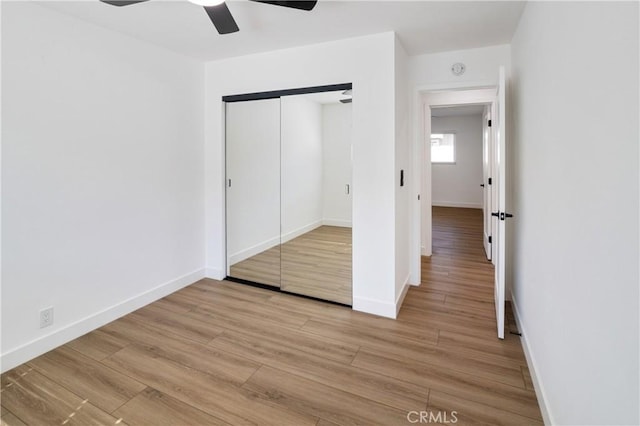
[
  {"x": 500, "y": 183},
  {"x": 486, "y": 174}
]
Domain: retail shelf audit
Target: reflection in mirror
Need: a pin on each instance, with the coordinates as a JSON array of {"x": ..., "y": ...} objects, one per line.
[
  {"x": 253, "y": 190},
  {"x": 316, "y": 195}
]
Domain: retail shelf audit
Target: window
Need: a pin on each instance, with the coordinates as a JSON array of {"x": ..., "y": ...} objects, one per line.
[{"x": 443, "y": 148}]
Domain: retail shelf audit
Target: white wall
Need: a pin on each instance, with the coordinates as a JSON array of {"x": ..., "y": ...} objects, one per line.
[
  {"x": 372, "y": 73},
  {"x": 575, "y": 107},
  {"x": 481, "y": 66},
  {"x": 403, "y": 194},
  {"x": 336, "y": 155},
  {"x": 102, "y": 175},
  {"x": 302, "y": 164},
  {"x": 458, "y": 185}
]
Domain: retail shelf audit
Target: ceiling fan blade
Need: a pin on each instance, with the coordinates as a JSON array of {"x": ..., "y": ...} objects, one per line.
[
  {"x": 122, "y": 2},
  {"x": 302, "y": 5},
  {"x": 346, "y": 101},
  {"x": 222, "y": 19}
]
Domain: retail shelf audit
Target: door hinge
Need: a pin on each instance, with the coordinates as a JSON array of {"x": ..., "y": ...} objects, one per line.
[
  {"x": 489, "y": 123},
  {"x": 489, "y": 239},
  {"x": 490, "y": 181}
]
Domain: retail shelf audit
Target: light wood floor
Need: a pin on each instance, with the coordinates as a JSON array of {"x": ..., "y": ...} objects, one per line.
[
  {"x": 317, "y": 263},
  {"x": 223, "y": 353}
]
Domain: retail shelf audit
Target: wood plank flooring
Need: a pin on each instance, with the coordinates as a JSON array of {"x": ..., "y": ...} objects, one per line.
[
  {"x": 317, "y": 264},
  {"x": 218, "y": 353}
]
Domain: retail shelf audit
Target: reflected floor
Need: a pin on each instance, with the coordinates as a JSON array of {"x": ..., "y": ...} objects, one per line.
[
  {"x": 316, "y": 264},
  {"x": 263, "y": 268}
]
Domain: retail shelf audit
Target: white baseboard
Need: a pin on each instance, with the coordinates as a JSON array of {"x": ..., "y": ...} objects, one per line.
[
  {"x": 375, "y": 307},
  {"x": 41, "y": 345},
  {"x": 402, "y": 295},
  {"x": 543, "y": 402},
  {"x": 300, "y": 231},
  {"x": 456, "y": 204},
  {"x": 380, "y": 308},
  {"x": 337, "y": 222},
  {"x": 415, "y": 280},
  {"x": 253, "y": 250},
  {"x": 215, "y": 274}
]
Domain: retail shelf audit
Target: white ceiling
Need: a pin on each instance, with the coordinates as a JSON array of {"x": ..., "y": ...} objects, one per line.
[{"x": 422, "y": 26}]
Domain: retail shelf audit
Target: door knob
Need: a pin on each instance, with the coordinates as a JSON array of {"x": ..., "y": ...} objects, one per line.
[{"x": 504, "y": 215}]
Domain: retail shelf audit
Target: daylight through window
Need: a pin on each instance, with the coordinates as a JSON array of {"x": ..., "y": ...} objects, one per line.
[{"x": 443, "y": 148}]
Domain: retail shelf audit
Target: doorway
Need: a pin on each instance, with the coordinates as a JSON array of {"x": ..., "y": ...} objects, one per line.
[
  {"x": 461, "y": 162},
  {"x": 457, "y": 99},
  {"x": 496, "y": 98},
  {"x": 458, "y": 268}
]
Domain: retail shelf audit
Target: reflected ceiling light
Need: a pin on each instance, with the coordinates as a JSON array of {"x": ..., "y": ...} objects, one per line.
[{"x": 348, "y": 92}]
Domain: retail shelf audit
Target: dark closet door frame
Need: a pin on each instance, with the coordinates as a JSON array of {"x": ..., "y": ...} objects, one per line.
[{"x": 288, "y": 92}]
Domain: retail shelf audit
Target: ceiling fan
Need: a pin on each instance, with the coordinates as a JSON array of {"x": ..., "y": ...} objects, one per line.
[{"x": 220, "y": 14}]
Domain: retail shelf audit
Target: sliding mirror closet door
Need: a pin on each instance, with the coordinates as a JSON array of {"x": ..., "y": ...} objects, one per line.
[
  {"x": 253, "y": 190},
  {"x": 316, "y": 251}
]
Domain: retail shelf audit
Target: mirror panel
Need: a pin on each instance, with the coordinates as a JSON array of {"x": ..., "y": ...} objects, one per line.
[
  {"x": 253, "y": 190},
  {"x": 316, "y": 251}
]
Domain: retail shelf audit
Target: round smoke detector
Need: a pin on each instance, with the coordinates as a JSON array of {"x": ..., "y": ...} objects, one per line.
[{"x": 458, "y": 68}]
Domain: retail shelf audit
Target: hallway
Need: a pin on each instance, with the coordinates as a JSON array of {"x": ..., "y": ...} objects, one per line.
[{"x": 456, "y": 298}]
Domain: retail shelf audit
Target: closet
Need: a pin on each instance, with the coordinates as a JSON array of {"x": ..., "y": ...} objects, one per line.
[{"x": 289, "y": 191}]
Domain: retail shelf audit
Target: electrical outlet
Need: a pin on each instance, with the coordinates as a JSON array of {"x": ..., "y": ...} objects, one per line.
[{"x": 46, "y": 317}]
